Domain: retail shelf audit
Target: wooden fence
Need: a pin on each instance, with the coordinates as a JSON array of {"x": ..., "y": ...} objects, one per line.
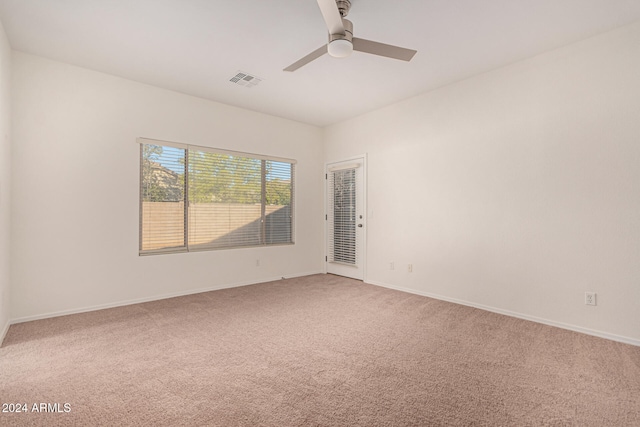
[{"x": 163, "y": 223}]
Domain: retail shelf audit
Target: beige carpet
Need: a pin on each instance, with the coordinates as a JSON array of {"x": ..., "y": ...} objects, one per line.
[{"x": 314, "y": 351}]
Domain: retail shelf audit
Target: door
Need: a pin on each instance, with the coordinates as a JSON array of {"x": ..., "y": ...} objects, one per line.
[{"x": 345, "y": 218}]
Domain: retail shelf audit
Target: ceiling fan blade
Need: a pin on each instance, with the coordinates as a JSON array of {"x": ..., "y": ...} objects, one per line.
[
  {"x": 381, "y": 49},
  {"x": 304, "y": 61},
  {"x": 331, "y": 16}
]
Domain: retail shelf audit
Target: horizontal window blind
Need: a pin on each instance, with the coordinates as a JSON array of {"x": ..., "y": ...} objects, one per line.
[
  {"x": 228, "y": 199},
  {"x": 342, "y": 217}
]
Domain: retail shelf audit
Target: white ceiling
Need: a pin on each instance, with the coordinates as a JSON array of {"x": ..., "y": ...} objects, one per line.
[{"x": 196, "y": 46}]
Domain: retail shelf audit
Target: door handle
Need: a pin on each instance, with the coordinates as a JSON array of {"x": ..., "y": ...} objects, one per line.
[{"x": 360, "y": 225}]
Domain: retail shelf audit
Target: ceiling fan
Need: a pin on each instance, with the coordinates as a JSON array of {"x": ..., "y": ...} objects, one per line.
[{"x": 341, "y": 40}]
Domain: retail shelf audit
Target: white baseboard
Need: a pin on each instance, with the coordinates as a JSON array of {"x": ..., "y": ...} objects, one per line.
[
  {"x": 301, "y": 275},
  {"x": 153, "y": 298},
  {"x": 3, "y": 332},
  {"x": 606, "y": 335},
  {"x": 600, "y": 334}
]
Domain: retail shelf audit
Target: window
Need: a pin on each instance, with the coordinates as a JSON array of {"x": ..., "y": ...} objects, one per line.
[{"x": 196, "y": 198}]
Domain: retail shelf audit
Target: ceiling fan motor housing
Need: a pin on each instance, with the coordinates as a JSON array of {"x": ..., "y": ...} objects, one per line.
[{"x": 341, "y": 45}]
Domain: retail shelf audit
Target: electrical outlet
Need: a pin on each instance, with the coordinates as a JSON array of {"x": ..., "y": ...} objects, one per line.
[
  {"x": 392, "y": 265},
  {"x": 410, "y": 268},
  {"x": 590, "y": 298}
]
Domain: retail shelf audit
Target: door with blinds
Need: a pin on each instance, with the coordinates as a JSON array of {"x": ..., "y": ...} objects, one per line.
[{"x": 345, "y": 219}]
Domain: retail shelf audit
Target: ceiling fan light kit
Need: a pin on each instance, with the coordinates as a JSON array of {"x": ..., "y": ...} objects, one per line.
[
  {"x": 340, "y": 48},
  {"x": 341, "y": 41}
]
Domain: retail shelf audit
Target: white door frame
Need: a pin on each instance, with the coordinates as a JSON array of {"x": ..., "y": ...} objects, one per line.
[{"x": 363, "y": 160}]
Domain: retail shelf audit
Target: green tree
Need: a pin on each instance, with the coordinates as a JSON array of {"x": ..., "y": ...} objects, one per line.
[
  {"x": 278, "y": 192},
  {"x": 222, "y": 178}
]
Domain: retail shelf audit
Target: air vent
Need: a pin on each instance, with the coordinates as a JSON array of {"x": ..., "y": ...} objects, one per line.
[{"x": 245, "y": 79}]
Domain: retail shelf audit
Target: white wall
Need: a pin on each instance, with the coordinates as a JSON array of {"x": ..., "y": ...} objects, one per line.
[
  {"x": 75, "y": 158},
  {"x": 5, "y": 181},
  {"x": 516, "y": 190}
]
